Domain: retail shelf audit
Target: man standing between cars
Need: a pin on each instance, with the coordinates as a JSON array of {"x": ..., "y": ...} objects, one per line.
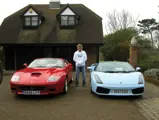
[{"x": 80, "y": 58}]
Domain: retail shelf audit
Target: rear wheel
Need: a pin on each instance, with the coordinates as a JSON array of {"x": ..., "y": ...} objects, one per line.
[{"x": 65, "y": 89}]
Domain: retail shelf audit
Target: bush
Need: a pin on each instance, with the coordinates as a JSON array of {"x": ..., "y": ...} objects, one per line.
[
  {"x": 154, "y": 73},
  {"x": 146, "y": 65}
]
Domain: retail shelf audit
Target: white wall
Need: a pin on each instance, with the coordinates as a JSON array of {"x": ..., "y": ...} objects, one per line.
[{"x": 67, "y": 11}]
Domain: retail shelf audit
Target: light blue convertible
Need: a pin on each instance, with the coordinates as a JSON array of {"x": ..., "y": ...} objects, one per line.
[{"x": 116, "y": 79}]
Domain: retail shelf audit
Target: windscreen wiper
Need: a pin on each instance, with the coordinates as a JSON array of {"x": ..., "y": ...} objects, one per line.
[
  {"x": 57, "y": 67},
  {"x": 40, "y": 66},
  {"x": 109, "y": 71}
]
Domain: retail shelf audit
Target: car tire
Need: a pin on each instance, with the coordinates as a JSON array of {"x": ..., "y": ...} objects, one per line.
[
  {"x": 1, "y": 78},
  {"x": 71, "y": 81},
  {"x": 140, "y": 96},
  {"x": 92, "y": 91},
  {"x": 65, "y": 88},
  {"x": 16, "y": 95},
  {"x": 91, "y": 88}
]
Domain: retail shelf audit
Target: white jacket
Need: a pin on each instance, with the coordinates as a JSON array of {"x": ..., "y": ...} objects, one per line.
[{"x": 80, "y": 58}]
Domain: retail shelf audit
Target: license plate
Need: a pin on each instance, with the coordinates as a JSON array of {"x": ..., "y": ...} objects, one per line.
[
  {"x": 31, "y": 92},
  {"x": 120, "y": 91}
]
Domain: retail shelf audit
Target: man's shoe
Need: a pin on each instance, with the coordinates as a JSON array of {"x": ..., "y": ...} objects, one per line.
[
  {"x": 83, "y": 85},
  {"x": 77, "y": 85}
]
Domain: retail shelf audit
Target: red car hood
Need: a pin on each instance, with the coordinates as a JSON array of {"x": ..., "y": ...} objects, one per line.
[{"x": 36, "y": 75}]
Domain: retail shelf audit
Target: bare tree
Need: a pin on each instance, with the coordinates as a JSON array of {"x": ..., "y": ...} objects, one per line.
[{"x": 119, "y": 20}]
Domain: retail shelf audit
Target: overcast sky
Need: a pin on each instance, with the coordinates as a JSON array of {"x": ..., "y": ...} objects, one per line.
[{"x": 141, "y": 8}]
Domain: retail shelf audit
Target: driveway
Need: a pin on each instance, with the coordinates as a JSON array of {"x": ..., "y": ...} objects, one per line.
[{"x": 78, "y": 104}]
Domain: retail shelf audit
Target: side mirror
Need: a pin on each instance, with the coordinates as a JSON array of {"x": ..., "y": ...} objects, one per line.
[
  {"x": 138, "y": 69},
  {"x": 94, "y": 64},
  {"x": 25, "y": 65},
  {"x": 69, "y": 64},
  {"x": 89, "y": 68}
]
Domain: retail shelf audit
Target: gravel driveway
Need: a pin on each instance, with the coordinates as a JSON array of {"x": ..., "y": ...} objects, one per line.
[{"x": 78, "y": 104}]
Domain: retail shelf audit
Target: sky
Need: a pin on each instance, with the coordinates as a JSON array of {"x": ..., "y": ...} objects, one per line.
[{"x": 138, "y": 8}]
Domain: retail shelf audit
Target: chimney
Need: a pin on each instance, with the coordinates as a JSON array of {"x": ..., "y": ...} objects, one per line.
[{"x": 54, "y": 4}]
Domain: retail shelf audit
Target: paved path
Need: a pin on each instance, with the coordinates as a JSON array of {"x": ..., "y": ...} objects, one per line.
[
  {"x": 149, "y": 105},
  {"x": 78, "y": 104}
]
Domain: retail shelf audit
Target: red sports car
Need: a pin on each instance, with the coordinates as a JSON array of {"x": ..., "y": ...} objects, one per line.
[{"x": 43, "y": 76}]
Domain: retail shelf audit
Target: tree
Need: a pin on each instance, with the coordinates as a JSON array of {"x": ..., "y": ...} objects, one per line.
[
  {"x": 116, "y": 45},
  {"x": 156, "y": 38},
  {"x": 148, "y": 26},
  {"x": 119, "y": 20}
]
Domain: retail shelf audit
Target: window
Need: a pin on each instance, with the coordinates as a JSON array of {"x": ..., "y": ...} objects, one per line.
[
  {"x": 46, "y": 63},
  {"x": 32, "y": 21},
  {"x": 27, "y": 21},
  {"x": 64, "y": 20},
  {"x": 67, "y": 20},
  {"x": 71, "y": 20}
]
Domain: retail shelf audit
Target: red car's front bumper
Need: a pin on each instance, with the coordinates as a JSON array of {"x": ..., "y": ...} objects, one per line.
[{"x": 47, "y": 89}]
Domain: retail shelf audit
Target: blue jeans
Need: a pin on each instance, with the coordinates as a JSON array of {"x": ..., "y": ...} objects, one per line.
[{"x": 83, "y": 70}]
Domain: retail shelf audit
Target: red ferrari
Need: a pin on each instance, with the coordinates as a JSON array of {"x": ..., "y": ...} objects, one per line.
[{"x": 43, "y": 76}]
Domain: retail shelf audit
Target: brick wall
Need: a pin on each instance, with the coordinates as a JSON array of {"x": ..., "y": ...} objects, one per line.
[
  {"x": 91, "y": 54},
  {"x": 133, "y": 56}
]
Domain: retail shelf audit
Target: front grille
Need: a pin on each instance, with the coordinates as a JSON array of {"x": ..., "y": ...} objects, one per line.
[
  {"x": 31, "y": 88},
  {"x": 52, "y": 89},
  {"x": 13, "y": 88},
  {"x": 102, "y": 90},
  {"x": 138, "y": 90}
]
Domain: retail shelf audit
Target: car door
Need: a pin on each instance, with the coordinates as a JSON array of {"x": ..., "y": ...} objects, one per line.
[{"x": 69, "y": 68}]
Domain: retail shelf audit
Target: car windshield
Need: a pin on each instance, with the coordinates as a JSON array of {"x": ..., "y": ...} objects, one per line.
[
  {"x": 114, "y": 67},
  {"x": 46, "y": 63}
]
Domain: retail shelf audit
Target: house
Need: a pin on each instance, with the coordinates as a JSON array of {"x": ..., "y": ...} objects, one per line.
[{"x": 50, "y": 30}]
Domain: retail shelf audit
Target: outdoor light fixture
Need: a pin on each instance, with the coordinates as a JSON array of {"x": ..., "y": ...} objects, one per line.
[{"x": 30, "y": 10}]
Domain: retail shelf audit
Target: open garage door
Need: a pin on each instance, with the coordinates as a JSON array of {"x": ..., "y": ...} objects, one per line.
[
  {"x": 66, "y": 53},
  {"x": 27, "y": 54}
]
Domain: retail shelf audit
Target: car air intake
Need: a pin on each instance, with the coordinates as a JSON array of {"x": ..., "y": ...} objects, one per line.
[
  {"x": 102, "y": 90},
  {"x": 35, "y": 74},
  {"x": 138, "y": 90},
  {"x": 32, "y": 88}
]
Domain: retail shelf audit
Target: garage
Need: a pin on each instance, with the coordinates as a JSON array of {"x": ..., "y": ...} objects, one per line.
[{"x": 16, "y": 56}]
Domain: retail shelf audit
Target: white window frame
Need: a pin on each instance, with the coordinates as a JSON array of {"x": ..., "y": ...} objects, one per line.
[
  {"x": 67, "y": 22},
  {"x": 33, "y": 21}
]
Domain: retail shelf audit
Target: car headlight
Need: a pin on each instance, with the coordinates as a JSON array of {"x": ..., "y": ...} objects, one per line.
[
  {"x": 97, "y": 79},
  {"x": 141, "y": 80},
  {"x": 53, "y": 78},
  {"x": 15, "y": 78}
]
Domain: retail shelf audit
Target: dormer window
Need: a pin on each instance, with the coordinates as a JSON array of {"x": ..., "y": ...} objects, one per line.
[
  {"x": 31, "y": 19},
  {"x": 67, "y": 18}
]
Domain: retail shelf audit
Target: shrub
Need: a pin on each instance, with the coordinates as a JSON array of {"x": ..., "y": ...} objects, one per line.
[{"x": 154, "y": 73}]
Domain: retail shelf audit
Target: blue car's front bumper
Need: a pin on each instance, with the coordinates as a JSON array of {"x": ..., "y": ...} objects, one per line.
[{"x": 132, "y": 90}]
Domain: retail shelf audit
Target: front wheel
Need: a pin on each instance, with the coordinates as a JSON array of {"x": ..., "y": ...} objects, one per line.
[
  {"x": 91, "y": 88},
  {"x": 1, "y": 78},
  {"x": 92, "y": 91},
  {"x": 65, "y": 89},
  {"x": 71, "y": 81}
]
